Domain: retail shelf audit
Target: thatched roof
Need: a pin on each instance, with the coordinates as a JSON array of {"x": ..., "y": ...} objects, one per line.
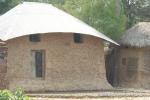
[{"x": 137, "y": 36}]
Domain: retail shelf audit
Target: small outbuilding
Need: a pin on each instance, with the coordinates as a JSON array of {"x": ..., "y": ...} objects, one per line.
[
  {"x": 133, "y": 68},
  {"x": 50, "y": 50}
]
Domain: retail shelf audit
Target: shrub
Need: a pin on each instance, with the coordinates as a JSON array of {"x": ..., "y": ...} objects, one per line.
[{"x": 17, "y": 95}]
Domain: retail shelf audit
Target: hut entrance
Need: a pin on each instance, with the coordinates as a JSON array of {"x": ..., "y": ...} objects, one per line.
[{"x": 111, "y": 59}]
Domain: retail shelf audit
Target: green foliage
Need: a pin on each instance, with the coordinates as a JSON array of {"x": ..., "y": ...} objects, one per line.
[
  {"x": 5, "y": 5},
  {"x": 101, "y": 14},
  {"x": 17, "y": 95},
  {"x": 136, "y": 11}
]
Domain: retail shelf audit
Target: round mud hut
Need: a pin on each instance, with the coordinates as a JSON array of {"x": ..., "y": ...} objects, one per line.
[
  {"x": 134, "y": 57},
  {"x": 51, "y": 51}
]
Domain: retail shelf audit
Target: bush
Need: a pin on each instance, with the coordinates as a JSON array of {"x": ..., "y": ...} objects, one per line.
[{"x": 17, "y": 95}]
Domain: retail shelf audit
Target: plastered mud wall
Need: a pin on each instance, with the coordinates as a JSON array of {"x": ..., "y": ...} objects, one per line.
[{"x": 69, "y": 66}]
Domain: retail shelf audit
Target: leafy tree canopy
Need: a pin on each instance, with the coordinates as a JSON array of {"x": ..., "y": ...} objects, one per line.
[{"x": 136, "y": 11}]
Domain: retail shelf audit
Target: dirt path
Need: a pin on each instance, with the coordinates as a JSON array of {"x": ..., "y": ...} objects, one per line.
[
  {"x": 123, "y": 98},
  {"x": 118, "y": 94}
]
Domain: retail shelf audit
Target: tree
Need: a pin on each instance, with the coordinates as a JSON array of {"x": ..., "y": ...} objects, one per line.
[
  {"x": 5, "y": 5},
  {"x": 101, "y": 14},
  {"x": 136, "y": 10}
]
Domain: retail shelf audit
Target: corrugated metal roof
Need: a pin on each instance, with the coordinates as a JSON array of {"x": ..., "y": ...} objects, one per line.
[{"x": 32, "y": 17}]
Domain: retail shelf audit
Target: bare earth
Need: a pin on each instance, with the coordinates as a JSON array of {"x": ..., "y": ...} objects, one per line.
[{"x": 118, "y": 94}]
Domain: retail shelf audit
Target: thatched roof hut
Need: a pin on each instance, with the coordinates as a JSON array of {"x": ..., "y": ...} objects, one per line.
[
  {"x": 137, "y": 36},
  {"x": 50, "y": 50},
  {"x": 134, "y": 57}
]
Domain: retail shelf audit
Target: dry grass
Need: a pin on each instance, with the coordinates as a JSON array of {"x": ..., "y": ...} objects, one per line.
[{"x": 137, "y": 36}]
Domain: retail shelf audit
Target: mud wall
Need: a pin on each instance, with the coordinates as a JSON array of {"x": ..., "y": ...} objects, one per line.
[
  {"x": 134, "y": 68},
  {"x": 69, "y": 66}
]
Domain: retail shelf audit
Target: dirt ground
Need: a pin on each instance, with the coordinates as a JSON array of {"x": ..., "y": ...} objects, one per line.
[
  {"x": 127, "y": 98},
  {"x": 118, "y": 94}
]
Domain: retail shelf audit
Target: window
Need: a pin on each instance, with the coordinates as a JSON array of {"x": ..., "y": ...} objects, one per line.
[
  {"x": 38, "y": 62},
  {"x": 34, "y": 38},
  {"x": 132, "y": 68},
  {"x": 77, "y": 38},
  {"x": 132, "y": 63}
]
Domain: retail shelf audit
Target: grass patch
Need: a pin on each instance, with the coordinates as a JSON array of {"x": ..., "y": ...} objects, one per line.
[{"x": 19, "y": 94}]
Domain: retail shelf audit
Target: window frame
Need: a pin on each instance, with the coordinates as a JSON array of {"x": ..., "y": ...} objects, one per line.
[
  {"x": 43, "y": 63},
  {"x": 32, "y": 38},
  {"x": 76, "y": 36}
]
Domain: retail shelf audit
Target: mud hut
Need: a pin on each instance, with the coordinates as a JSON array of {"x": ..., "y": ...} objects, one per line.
[
  {"x": 134, "y": 57},
  {"x": 50, "y": 50}
]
